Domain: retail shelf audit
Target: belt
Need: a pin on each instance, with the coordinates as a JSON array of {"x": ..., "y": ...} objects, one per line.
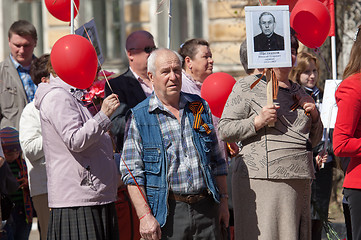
[{"x": 188, "y": 198}]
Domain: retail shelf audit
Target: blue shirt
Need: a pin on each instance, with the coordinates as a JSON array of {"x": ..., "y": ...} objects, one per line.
[{"x": 24, "y": 75}]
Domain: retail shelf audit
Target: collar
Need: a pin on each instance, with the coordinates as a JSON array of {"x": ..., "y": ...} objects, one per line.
[
  {"x": 17, "y": 65},
  {"x": 155, "y": 103},
  {"x": 75, "y": 92},
  {"x": 198, "y": 84},
  {"x": 315, "y": 91}
]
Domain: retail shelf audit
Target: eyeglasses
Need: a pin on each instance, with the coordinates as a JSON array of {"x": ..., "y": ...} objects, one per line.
[{"x": 146, "y": 49}]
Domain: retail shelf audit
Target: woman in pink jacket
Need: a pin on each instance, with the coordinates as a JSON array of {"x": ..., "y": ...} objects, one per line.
[{"x": 81, "y": 172}]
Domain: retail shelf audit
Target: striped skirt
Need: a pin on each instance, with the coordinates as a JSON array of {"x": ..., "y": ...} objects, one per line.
[{"x": 81, "y": 223}]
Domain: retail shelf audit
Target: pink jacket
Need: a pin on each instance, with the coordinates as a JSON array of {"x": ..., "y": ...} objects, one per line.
[{"x": 78, "y": 150}]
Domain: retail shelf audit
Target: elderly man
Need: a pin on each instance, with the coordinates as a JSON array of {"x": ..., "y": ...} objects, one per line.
[
  {"x": 268, "y": 40},
  {"x": 133, "y": 86},
  {"x": 172, "y": 165},
  {"x": 16, "y": 86}
]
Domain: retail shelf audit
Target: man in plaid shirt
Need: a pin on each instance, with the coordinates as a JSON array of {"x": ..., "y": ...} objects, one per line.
[{"x": 172, "y": 164}]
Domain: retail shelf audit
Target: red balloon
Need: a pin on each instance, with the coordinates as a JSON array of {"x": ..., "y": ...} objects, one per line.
[
  {"x": 75, "y": 61},
  {"x": 216, "y": 89},
  {"x": 312, "y": 22},
  {"x": 61, "y": 9}
]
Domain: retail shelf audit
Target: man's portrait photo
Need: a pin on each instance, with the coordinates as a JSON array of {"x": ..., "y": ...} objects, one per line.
[
  {"x": 268, "y": 40},
  {"x": 268, "y": 36}
]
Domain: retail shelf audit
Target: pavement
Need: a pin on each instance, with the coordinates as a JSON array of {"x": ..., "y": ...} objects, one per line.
[{"x": 339, "y": 228}]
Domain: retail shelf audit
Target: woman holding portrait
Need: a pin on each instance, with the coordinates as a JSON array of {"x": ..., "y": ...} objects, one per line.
[{"x": 273, "y": 171}]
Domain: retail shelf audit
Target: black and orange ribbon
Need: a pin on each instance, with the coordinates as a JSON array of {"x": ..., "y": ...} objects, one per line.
[
  {"x": 295, "y": 105},
  {"x": 197, "y": 109},
  {"x": 274, "y": 83}
]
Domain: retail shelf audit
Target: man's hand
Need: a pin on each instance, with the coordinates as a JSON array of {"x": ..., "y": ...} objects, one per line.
[
  {"x": 110, "y": 104},
  {"x": 266, "y": 116},
  {"x": 150, "y": 228},
  {"x": 224, "y": 212}
]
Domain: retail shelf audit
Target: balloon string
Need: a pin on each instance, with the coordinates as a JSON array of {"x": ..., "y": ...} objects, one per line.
[
  {"x": 106, "y": 79},
  {"x": 158, "y": 11},
  {"x": 77, "y": 10},
  {"x": 136, "y": 183},
  {"x": 101, "y": 68}
]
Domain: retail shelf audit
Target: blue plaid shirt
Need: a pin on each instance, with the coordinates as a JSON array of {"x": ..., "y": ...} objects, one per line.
[
  {"x": 28, "y": 84},
  {"x": 184, "y": 173}
]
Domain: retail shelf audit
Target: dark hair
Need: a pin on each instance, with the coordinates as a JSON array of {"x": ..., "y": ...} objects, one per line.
[
  {"x": 189, "y": 48},
  {"x": 39, "y": 68},
  {"x": 23, "y": 28},
  {"x": 354, "y": 64},
  {"x": 294, "y": 40}
]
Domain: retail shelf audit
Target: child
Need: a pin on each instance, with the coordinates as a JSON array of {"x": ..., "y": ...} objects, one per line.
[{"x": 18, "y": 227}]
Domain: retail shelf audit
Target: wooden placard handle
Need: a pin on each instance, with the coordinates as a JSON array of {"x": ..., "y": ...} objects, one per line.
[{"x": 269, "y": 92}]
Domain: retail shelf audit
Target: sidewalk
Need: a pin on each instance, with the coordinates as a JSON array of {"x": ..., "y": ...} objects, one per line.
[{"x": 338, "y": 226}]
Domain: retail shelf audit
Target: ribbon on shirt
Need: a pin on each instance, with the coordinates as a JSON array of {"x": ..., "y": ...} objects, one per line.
[
  {"x": 274, "y": 83},
  {"x": 295, "y": 105},
  {"x": 197, "y": 108}
]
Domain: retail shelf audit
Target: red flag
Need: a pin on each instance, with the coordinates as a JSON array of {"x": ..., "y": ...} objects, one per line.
[
  {"x": 290, "y": 3},
  {"x": 331, "y": 8}
]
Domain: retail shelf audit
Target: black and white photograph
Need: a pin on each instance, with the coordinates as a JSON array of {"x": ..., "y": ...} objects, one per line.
[{"x": 268, "y": 36}]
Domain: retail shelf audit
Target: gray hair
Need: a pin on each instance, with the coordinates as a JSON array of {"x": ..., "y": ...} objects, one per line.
[
  {"x": 153, "y": 56},
  {"x": 263, "y": 14},
  {"x": 243, "y": 57}
]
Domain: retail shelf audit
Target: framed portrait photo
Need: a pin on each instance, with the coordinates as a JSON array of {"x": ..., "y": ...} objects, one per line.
[{"x": 268, "y": 36}]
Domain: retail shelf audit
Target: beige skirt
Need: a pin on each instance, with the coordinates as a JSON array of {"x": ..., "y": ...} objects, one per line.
[{"x": 267, "y": 209}]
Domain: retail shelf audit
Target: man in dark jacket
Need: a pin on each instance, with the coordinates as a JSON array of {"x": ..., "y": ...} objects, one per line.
[{"x": 133, "y": 86}]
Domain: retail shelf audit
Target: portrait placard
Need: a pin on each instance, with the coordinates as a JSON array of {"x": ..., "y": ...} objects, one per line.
[
  {"x": 329, "y": 107},
  {"x": 268, "y": 36}
]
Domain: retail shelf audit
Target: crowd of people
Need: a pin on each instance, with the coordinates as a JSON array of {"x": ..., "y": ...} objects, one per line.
[{"x": 154, "y": 163}]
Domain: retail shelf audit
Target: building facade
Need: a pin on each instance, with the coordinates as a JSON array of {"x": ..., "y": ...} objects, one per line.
[{"x": 172, "y": 22}]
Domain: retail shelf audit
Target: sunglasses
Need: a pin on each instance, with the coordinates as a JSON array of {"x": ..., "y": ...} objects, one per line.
[{"x": 146, "y": 49}]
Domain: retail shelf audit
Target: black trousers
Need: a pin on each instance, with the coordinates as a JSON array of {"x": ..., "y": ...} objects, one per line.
[{"x": 353, "y": 197}]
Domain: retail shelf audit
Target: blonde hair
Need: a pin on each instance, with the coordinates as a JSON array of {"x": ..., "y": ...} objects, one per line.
[{"x": 303, "y": 60}]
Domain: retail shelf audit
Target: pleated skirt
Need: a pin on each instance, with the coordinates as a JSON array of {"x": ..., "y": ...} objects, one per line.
[{"x": 82, "y": 223}]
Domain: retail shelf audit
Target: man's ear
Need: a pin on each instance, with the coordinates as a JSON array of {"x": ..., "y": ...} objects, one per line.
[
  {"x": 130, "y": 56},
  {"x": 151, "y": 77}
]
